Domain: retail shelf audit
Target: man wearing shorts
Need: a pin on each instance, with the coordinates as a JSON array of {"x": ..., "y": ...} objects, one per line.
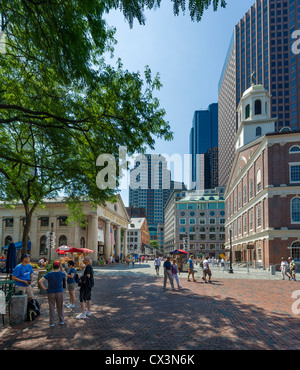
[
  {"x": 23, "y": 276},
  {"x": 85, "y": 293},
  {"x": 191, "y": 268},
  {"x": 206, "y": 270},
  {"x": 71, "y": 284}
]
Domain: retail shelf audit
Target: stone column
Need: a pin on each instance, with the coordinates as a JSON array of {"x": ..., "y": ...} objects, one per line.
[
  {"x": 107, "y": 240},
  {"x": 93, "y": 237},
  {"x": 125, "y": 252},
  {"x": 118, "y": 241}
]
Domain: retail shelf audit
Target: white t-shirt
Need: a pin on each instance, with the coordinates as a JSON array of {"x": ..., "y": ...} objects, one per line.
[
  {"x": 157, "y": 262},
  {"x": 284, "y": 265},
  {"x": 205, "y": 265}
]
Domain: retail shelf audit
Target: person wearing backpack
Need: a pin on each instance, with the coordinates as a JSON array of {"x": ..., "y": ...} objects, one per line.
[
  {"x": 55, "y": 292},
  {"x": 71, "y": 284},
  {"x": 86, "y": 285}
]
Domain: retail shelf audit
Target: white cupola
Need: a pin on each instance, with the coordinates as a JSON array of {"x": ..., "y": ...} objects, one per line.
[{"x": 254, "y": 116}]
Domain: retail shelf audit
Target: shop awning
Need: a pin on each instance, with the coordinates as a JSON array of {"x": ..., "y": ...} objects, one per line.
[{"x": 19, "y": 246}]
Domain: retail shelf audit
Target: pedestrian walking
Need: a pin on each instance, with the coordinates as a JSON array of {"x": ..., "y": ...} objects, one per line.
[
  {"x": 132, "y": 261},
  {"x": 191, "y": 268},
  {"x": 206, "y": 271},
  {"x": 71, "y": 284},
  {"x": 175, "y": 272},
  {"x": 23, "y": 276},
  {"x": 168, "y": 273},
  {"x": 85, "y": 292},
  {"x": 55, "y": 292},
  {"x": 292, "y": 267},
  {"x": 157, "y": 264},
  {"x": 283, "y": 268}
]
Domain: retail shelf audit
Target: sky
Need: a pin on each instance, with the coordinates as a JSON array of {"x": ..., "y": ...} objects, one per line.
[{"x": 189, "y": 57}]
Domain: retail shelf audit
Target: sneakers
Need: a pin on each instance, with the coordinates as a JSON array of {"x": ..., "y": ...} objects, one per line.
[
  {"x": 70, "y": 305},
  {"x": 81, "y": 316},
  {"x": 88, "y": 313}
]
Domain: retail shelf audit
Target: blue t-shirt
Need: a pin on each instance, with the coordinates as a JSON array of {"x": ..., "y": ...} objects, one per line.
[
  {"x": 22, "y": 272},
  {"x": 167, "y": 265},
  {"x": 55, "y": 281},
  {"x": 191, "y": 263},
  {"x": 71, "y": 271}
]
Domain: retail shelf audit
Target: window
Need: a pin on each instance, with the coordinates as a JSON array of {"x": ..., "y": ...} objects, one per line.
[
  {"x": 182, "y": 221},
  {"x": 212, "y": 229},
  {"x": 295, "y": 172},
  {"x": 257, "y": 106},
  {"x": 192, "y": 221},
  {"x": 222, "y": 220},
  {"x": 202, "y": 221},
  {"x": 182, "y": 230},
  {"x": 247, "y": 111},
  {"x": 9, "y": 222},
  {"x": 245, "y": 223},
  {"x": 62, "y": 220},
  {"x": 295, "y": 250},
  {"x": 62, "y": 240},
  {"x": 245, "y": 194},
  {"x": 44, "y": 221},
  {"x": 258, "y": 180},
  {"x": 8, "y": 240},
  {"x": 251, "y": 189},
  {"x": 258, "y": 210},
  {"x": 43, "y": 248},
  {"x": 294, "y": 149},
  {"x": 212, "y": 221},
  {"x": 258, "y": 131},
  {"x": 251, "y": 220},
  {"x": 82, "y": 243},
  {"x": 295, "y": 210}
]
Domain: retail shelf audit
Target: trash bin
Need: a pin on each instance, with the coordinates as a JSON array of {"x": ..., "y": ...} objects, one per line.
[{"x": 272, "y": 269}]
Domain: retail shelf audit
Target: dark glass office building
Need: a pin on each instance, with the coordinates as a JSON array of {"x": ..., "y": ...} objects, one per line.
[
  {"x": 262, "y": 43},
  {"x": 204, "y": 148}
]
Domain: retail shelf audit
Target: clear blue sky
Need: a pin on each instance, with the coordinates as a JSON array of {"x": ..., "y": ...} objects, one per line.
[{"x": 189, "y": 57}]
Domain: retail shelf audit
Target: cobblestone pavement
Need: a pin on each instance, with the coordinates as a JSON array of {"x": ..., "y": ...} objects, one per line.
[{"x": 131, "y": 311}]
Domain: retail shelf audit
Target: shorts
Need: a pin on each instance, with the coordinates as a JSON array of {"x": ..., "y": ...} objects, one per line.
[
  {"x": 26, "y": 290},
  {"x": 156, "y": 267},
  {"x": 85, "y": 294},
  {"x": 191, "y": 270},
  {"x": 207, "y": 272},
  {"x": 71, "y": 287}
]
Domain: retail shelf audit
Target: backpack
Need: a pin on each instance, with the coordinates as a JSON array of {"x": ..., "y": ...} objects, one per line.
[
  {"x": 33, "y": 309},
  {"x": 76, "y": 278}
]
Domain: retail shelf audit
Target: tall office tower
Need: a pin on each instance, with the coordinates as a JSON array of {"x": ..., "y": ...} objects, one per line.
[
  {"x": 262, "y": 43},
  {"x": 203, "y": 146},
  {"x": 150, "y": 188}
]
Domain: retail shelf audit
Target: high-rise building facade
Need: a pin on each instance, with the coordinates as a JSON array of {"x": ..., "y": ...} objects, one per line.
[
  {"x": 150, "y": 188},
  {"x": 261, "y": 51},
  {"x": 203, "y": 147}
]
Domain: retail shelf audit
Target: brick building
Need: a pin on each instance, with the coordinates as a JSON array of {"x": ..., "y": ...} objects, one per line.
[
  {"x": 138, "y": 237},
  {"x": 263, "y": 192}
]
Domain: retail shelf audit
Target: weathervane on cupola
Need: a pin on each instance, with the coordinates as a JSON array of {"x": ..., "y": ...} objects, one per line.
[{"x": 253, "y": 78}]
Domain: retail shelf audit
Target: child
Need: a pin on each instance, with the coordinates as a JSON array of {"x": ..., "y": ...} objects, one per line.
[{"x": 174, "y": 269}]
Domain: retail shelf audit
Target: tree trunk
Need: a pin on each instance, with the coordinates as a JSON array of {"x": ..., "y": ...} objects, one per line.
[{"x": 27, "y": 227}]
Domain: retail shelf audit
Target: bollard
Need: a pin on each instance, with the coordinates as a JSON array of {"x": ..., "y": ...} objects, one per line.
[
  {"x": 18, "y": 308},
  {"x": 272, "y": 269}
]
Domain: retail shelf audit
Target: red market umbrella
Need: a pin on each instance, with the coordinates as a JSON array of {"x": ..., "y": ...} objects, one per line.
[
  {"x": 63, "y": 249},
  {"x": 182, "y": 251}
]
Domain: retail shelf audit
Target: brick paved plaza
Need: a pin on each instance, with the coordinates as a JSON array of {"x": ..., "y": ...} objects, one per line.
[{"x": 131, "y": 311}]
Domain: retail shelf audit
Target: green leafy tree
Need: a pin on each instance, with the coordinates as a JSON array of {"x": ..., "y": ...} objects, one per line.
[{"x": 61, "y": 105}]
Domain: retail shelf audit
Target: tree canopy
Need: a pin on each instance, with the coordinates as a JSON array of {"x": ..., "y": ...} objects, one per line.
[{"x": 62, "y": 105}]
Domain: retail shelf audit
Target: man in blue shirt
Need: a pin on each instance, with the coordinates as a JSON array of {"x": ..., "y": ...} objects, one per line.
[
  {"x": 23, "y": 276},
  {"x": 191, "y": 268}
]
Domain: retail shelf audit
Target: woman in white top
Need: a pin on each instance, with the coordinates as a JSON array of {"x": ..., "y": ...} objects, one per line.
[{"x": 283, "y": 268}]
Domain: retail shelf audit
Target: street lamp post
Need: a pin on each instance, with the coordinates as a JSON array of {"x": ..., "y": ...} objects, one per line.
[
  {"x": 50, "y": 243},
  {"x": 230, "y": 253}
]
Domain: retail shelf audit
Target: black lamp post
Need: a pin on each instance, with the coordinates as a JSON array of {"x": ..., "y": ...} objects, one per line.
[{"x": 230, "y": 253}]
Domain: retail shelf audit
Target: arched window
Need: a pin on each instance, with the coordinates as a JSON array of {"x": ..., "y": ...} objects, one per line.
[
  {"x": 8, "y": 240},
  {"x": 182, "y": 230},
  {"x": 212, "y": 229},
  {"x": 82, "y": 243},
  {"x": 295, "y": 149},
  {"x": 62, "y": 240},
  {"x": 202, "y": 229},
  {"x": 258, "y": 131},
  {"x": 295, "y": 250},
  {"x": 43, "y": 247},
  {"x": 192, "y": 229},
  {"x": 247, "y": 111},
  {"x": 295, "y": 210},
  {"x": 257, "y": 106}
]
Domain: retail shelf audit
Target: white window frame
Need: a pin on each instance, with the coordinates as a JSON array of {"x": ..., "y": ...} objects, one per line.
[{"x": 292, "y": 164}]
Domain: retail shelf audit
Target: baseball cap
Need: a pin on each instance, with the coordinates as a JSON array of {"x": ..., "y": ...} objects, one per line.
[{"x": 56, "y": 263}]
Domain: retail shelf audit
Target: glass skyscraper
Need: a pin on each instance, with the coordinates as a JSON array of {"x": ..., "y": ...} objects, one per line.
[
  {"x": 204, "y": 148},
  {"x": 260, "y": 51}
]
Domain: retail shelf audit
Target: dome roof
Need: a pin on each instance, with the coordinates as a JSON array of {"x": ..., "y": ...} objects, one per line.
[{"x": 254, "y": 88}]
